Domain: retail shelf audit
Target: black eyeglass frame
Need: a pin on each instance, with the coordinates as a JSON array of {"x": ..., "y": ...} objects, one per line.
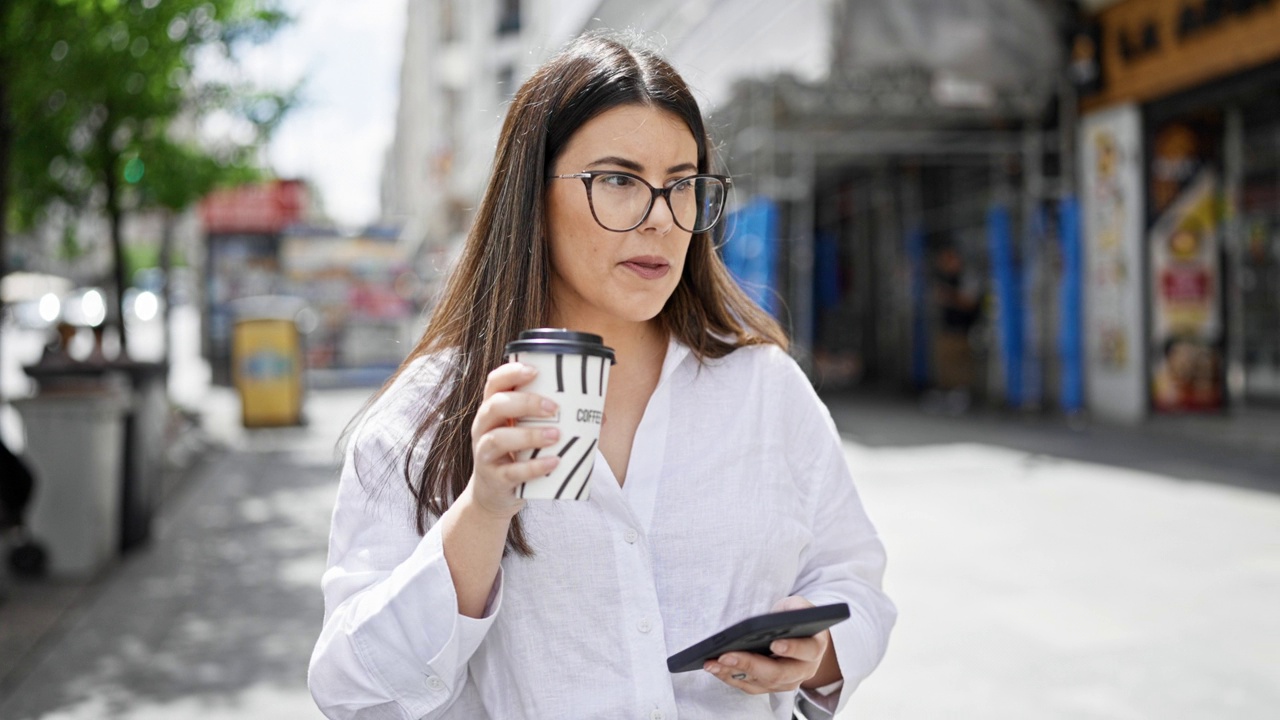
[{"x": 589, "y": 177}]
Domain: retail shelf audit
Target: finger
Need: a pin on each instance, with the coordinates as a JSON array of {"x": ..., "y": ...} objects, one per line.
[
  {"x": 810, "y": 649},
  {"x": 496, "y": 446},
  {"x": 504, "y": 407},
  {"x": 794, "y": 602},
  {"x": 508, "y": 377},
  {"x": 734, "y": 677},
  {"x": 515, "y": 405},
  {"x": 770, "y": 674},
  {"x": 523, "y": 471}
]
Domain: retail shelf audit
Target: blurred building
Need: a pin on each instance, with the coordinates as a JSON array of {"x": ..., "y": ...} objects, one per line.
[
  {"x": 1118, "y": 259},
  {"x": 934, "y": 127},
  {"x": 462, "y": 62},
  {"x": 1180, "y": 167},
  {"x": 361, "y": 292},
  {"x": 243, "y": 228}
]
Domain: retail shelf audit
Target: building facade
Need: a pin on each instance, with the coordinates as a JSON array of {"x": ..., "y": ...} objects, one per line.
[
  {"x": 462, "y": 62},
  {"x": 1180, "y": 164},
  {"x": 867, "y": 139}
]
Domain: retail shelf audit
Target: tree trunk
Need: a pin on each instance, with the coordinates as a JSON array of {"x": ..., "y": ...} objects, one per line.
[
  {"x": 116, "y": 215},
  {"x": 166, "y": 283},
  {"x": 6, "y": 146}
]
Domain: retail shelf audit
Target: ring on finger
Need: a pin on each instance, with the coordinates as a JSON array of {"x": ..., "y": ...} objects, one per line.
[{"x": 739, "y": 676}]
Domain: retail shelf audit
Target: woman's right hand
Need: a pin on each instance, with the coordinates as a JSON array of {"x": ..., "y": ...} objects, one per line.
[{"x": 495, "y": 440}]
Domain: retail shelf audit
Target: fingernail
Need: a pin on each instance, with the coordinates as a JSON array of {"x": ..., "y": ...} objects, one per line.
[
  {"x": 713, "y": 668},
  {"x": 548, "y": 407},
  {"x": 549, "y": 462},
  {"x": 528, "y": 369},
  {"x": 779, "y": 647},
  {"x": 551, "y": 433},
  {"x": 730, "y": 660}
]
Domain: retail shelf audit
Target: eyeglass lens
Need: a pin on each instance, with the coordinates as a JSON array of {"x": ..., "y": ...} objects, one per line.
[{"x": 620, "y": 202}]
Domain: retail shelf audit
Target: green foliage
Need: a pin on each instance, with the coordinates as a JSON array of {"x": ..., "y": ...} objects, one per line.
[
  {"x": 140, "y": 257},
  {"x": 97, "y": 88}
]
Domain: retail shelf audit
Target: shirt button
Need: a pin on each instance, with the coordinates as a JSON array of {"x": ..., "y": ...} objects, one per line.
[
  {"x": 656, "y": 715},
  {"x": 632, "y": 536},
  {"x": 644, "y": 625},
  {"x": 435, "y": 683}
]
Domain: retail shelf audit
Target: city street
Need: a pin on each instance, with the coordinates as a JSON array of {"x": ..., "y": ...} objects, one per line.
[
  {"x": 1028, "y": 252},
  {"x": 1029, "y": 586}
]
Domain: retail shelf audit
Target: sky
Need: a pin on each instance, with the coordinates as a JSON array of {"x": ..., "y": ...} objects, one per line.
[{"x": 349, "y": 55}]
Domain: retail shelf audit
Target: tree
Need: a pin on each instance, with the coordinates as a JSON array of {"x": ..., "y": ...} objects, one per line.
[{"x": 92, "y": 95}]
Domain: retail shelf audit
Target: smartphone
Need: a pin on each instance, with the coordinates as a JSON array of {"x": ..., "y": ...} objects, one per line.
[{"x": 756, "y": 633}]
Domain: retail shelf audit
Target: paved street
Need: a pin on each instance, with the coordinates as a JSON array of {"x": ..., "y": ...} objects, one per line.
[
  {"x": 216, "y": 620},
  {"x": 1031, "y": 585}
]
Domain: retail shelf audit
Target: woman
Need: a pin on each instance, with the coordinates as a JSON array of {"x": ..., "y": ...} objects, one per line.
[{"x": 719, "y": 492}]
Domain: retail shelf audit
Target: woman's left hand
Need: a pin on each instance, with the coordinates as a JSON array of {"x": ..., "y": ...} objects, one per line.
[{"x": 796, "y": 660}]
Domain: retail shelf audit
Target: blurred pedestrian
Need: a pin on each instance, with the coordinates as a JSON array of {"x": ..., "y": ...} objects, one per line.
[
  {"x": 956, "y": 291},
  {"x": 719, "y": 491}
]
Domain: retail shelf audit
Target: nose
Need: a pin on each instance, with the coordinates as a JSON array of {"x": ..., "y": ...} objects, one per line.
[{"x": 660, "y": 219}]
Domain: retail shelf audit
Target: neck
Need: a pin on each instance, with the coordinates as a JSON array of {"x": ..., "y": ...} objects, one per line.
[{"x": 636, "y": 345}]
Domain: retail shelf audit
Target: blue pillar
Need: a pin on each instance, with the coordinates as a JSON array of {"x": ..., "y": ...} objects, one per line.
[
  {"x": 750, "y": 249},
  {"x": 1070, "y": 340}
]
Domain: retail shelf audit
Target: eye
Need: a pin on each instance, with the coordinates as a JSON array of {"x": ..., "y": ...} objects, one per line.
[
  {"x": 681, "y": 187},
  {"x": 616, "y": 181}
]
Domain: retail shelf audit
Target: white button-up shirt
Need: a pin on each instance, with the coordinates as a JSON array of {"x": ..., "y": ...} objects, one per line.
[{"x": 737, "y": 495}]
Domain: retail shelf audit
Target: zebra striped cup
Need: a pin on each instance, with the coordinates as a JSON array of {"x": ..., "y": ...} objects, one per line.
[{"x": 573, "y": 370}]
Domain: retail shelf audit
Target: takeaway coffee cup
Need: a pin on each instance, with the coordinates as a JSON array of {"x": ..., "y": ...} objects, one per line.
[{"x": 573, "y": 370}]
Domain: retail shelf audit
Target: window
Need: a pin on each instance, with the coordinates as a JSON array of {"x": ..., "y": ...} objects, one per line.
[
  {"x": 508, "y": 17},
  {"x": 448, "y": 21},
  {"x": 506, "y": 82}
]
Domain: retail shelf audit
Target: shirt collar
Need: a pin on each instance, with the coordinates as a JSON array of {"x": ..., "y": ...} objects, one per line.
[{"x": 676, "y": 354}]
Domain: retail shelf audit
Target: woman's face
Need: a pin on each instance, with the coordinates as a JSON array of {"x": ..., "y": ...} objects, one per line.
[{"x": 600, "y": 277}]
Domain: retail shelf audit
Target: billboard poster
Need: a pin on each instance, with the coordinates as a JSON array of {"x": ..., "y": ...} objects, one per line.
[
  {"x": 363, "y": 291},
  {"x": 1113, "y": 215},
  {"x": 1186, "y": 327}
]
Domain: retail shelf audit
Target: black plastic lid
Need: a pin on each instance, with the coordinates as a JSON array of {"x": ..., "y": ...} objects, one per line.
[{"x": 561, "y": 342}]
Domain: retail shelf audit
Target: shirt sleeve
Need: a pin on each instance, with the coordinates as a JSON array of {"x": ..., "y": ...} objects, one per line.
[
  {"x": 845, "y": 561},
  {"x": 393, "y": 644}
]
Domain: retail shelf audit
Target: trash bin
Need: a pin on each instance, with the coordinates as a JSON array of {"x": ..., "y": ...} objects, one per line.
[
  {"x": 145, "y": 417},
  {"x": 267, "y": 359},
  {"x": 75, "y": 443},
  {"x": 146, "y": 424}
]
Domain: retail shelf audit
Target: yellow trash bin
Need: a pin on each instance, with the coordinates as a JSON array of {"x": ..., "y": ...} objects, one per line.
[{"x": 266, "y": 364}]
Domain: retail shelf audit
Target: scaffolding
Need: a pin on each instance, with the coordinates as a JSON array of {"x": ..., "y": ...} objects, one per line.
[{"x": 905, "y": 143}]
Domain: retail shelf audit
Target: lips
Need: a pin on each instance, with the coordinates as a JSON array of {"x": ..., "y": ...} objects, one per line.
[{"x": 649, "y": 267}]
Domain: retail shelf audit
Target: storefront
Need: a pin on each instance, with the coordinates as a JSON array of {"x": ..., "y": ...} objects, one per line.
[
  {"x": 1180, "y": 145},
  {"x": 900, "y": 210},
  {"x": 243, "y": 227}
]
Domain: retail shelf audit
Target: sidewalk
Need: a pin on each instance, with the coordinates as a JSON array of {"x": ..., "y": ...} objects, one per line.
[
  {"x": 216, "y": 618},
  {"x": 1241, "y": 450},
  {"x": 1061, "y": 569}
]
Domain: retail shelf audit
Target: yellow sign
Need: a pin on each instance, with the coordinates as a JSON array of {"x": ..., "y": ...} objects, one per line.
[
  {"x": 266, "y": 356},
  {"x": 1152, "y": 48}
]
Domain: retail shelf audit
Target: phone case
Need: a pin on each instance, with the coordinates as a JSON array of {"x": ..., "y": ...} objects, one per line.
[{"x": 756, "y": 633}]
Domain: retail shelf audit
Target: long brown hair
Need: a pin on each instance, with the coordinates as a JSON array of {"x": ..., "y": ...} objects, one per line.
[{"x": 501, "y": 284}]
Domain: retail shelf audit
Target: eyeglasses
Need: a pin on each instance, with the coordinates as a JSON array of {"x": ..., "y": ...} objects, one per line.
[{"x": 620, "y": 201}]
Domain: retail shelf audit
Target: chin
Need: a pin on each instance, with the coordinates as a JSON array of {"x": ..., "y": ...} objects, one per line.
[{"x": 639, "y": 311}]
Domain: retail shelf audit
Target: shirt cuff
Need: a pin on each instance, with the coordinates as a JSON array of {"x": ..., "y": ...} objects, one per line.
[
  {"x": 471, "y": 631},
  {"x": 832, "y": 698},
  {"x": 825, "y": 698},
  {"x": 432, "y": 623}
]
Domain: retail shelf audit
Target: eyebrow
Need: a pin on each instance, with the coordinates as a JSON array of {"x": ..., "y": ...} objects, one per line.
[{"x": 634, "y": 166}]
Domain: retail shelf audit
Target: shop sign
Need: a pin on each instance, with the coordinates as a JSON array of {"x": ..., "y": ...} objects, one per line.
[
  {"x": 1113, "y": 215},
  {"x": 1151, "y": 48},
  {"x": 266, "y": 208}
]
